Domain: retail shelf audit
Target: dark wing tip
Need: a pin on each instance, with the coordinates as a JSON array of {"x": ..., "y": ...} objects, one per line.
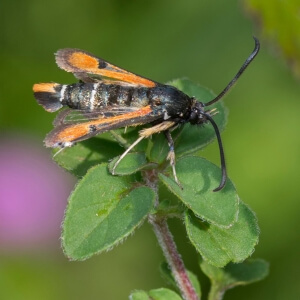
[
  {"x": 48, "y": 96},
  {"x": 62, "y": 59}
]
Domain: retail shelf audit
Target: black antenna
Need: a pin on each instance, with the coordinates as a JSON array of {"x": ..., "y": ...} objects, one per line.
[
  {"x": 222, "y": 156},
  {"x": 239, "y": 73}
]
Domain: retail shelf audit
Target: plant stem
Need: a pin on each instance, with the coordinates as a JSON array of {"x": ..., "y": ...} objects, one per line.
[
  {"x": 216, "y": 292},
  {"x": 173, "y": 258},
  {"x": 166, "y": 242}
]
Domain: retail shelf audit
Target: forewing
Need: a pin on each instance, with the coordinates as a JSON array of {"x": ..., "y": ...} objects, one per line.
[
  {"x": 89, "y": 68},
  {"x": 76, "y": 116},
  {"x": 66, "y": 134}
]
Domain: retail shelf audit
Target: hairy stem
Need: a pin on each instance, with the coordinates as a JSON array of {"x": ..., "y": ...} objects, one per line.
[
  {"x": 166, "y": 242},
  {"x": 173, "y": 258}
]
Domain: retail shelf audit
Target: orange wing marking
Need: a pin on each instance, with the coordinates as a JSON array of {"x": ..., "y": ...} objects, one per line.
[
  {"x": 71, "y": 133},
  {"x": 44, "y": 87},
  {"x": 78, "y": 61}
]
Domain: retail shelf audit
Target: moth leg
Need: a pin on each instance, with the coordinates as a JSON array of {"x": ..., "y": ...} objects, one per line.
[
  {"x": 157, "y": 128},
  {"x": 125, "y": 153},
  {"x": 171, "y": 155}
]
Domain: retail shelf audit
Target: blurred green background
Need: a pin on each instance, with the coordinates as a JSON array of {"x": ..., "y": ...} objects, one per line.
[{"x": 206, "y": 41}]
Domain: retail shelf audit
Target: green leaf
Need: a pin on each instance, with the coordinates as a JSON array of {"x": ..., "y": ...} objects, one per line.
[
  {"x": 99, "y": 216},
  {"x": 79, "y": 158},
  {"x": 139, "y": 295},
  {"x": 82, "y": 156},
  {"x": 198, "y": 178},
  {"x": 130, "y": 164},
  {"x": 159, "y": 149},
  {"x": 157, "y": 294},
  {"x": 234, "y": 275},
  {"x": 167, "y": 274},
  {"x": 218, "y": 246},
  {"x": 192, "y": 138},
  {"x": 163, "y": 294},
  {"x": 280, "y": 23}
]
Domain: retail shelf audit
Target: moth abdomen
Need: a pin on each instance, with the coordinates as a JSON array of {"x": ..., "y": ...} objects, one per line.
[{"x": 94, "y": 96}]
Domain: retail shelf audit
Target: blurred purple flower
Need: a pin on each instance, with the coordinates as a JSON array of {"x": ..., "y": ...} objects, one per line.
[{"x": 33, "y": 194}]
